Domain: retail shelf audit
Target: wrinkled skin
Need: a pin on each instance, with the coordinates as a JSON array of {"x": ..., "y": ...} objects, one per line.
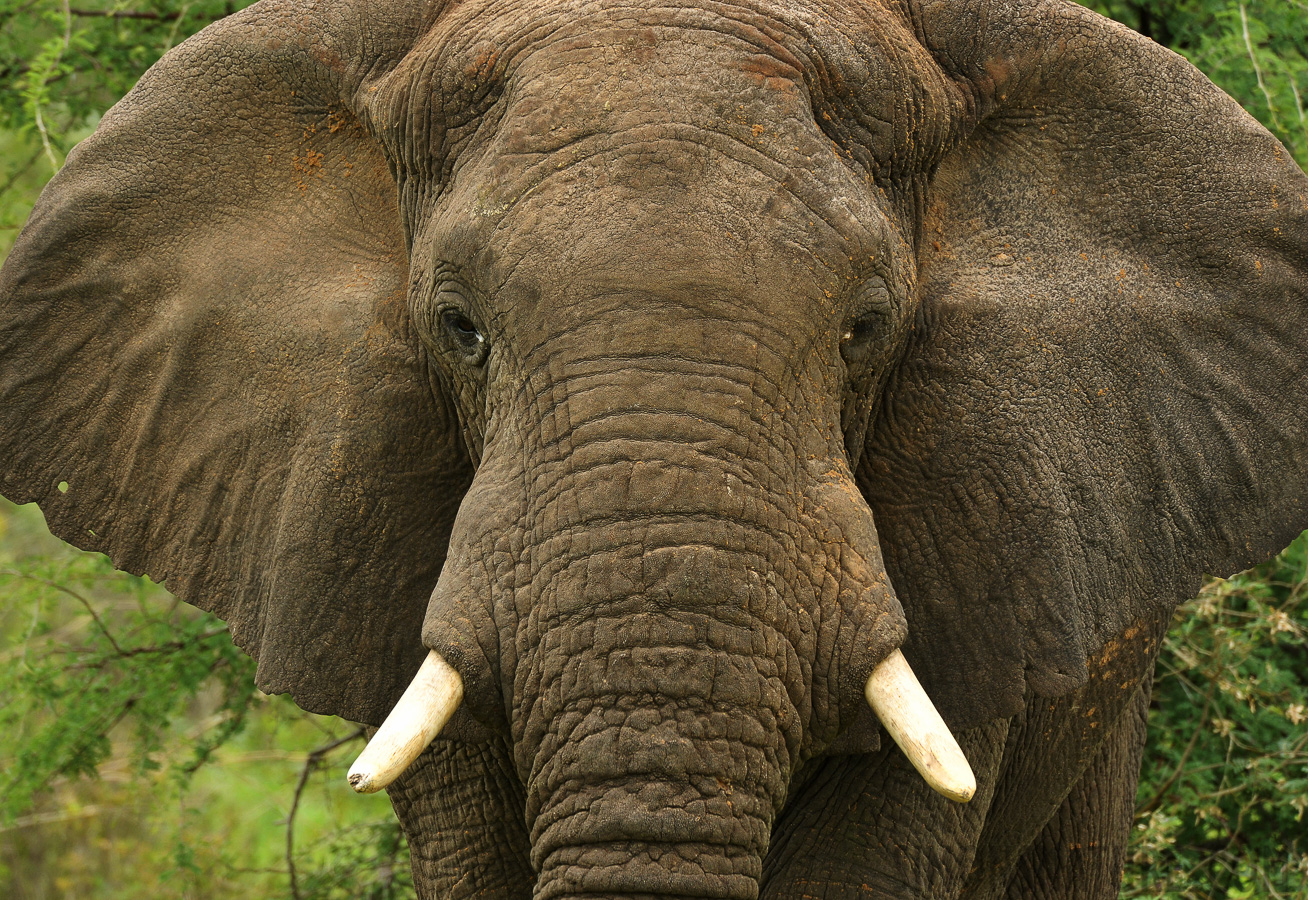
[{"x": 665, "y": 368}]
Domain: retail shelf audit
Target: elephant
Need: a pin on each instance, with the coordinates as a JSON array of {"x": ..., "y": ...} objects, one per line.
[{"x": 660, "y": 404}]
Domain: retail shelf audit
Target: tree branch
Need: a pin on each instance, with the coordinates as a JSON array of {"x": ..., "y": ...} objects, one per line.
[
  {"x": 1253, "y": 59},
  {"x": 166, "y": 647},
  {"x": 125, "y": 14},
  {"x": 311, "y": 762},
  {"x": 76, "y": 596},
  {"x": 1161, "y": 793}
]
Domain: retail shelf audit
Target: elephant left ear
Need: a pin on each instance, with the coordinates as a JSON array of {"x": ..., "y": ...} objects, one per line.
[
  {"x": 1105, "y": 395},
  {"x": 208, "y": 370}
]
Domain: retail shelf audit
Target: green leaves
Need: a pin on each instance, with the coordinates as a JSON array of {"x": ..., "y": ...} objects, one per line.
[
  {"x": 92, "y": 651},
  {"x": 62, "y": 64},
  {"x": 77, "y": 60},
  {"x": 1221, "y": 805},
  {"x": 106, "y": 676}
]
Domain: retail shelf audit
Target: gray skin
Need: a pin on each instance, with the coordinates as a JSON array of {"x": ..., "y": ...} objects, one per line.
[{"x": 665, "y": 366}]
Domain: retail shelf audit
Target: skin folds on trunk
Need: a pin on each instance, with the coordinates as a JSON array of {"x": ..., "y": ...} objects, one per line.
[{"x": 666, "y": 625}]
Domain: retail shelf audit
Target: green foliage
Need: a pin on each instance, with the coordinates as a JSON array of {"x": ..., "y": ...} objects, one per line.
[
  {"x": 369, "y": 862},
  {"x": 1225, "y": 779},
  {"x": 123, "y": 707},
  {"x": 136, "y": 658},
  {"x": 62, "y": 64}
]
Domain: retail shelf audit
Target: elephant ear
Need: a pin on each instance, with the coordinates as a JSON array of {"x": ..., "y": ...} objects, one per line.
[
  {"x": 206, "y": 364},
  {"x": 1105, "y": 395}
]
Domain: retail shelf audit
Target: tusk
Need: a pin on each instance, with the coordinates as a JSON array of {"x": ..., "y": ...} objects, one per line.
[
  {"x": 906, "y": 711},
  {"x": 428, "y": 702}
]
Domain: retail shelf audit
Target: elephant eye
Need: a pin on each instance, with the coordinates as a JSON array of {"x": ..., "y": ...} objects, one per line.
[
  {"x": 863, "y": 330},
  {"x": 869, "y": 330},
  {"x": 466, "y": 336}
]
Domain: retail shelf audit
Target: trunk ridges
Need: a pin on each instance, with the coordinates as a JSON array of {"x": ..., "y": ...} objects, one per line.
[
  {"x": 675, "y": 621},
  {"x": 662, "y": 870}
]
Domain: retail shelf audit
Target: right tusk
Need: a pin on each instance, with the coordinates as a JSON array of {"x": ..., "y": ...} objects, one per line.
[
  {"x": 897, "y": 697},
  {"x": 428, "y": 702}
]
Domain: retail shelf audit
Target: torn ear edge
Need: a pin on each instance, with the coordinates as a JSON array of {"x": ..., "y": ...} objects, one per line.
[{"x": 1103, "y": 398}]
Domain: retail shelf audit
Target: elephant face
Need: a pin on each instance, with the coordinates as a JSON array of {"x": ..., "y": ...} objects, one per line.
[
  {"x": 665, "y": 371},
  {"x": 651, "y": 313}
]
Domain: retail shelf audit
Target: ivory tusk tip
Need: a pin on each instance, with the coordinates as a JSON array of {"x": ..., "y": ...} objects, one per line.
[
  {"x": 427, "y": 704},
  {"x": 943, "y": 766},
  {"x": 910, "y": 718},
  {"x": 363, "y": 783},
  {"x": 961, "y": 788}
]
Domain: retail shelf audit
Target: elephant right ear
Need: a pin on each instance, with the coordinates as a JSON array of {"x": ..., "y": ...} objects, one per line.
[
  {"x": 1105, "y": 395},
  {"x": 207, "y": 369}
]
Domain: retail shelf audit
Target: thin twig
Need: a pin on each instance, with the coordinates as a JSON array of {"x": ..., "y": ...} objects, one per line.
[
  {"x": 51, "y": 818},
  {"x": 36, "y": 103},
  {"x": 1258, "y": 72},
  {"x": 19, "y": 173},
  {"x": 1161, "y": 793},
  {"x": 1303, "y": 123},
  {"x": 125, "y": 14},
  {"x": 172, "y": 33},
  {"x": 76, "y": 596},
  {"x": 166, "y": 647},
  {"x": 15, "y": 13},
  {"x": 311, "y": 762}
]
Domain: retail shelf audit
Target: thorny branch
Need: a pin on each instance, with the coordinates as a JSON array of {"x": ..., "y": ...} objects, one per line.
[
  {"x": 1253, "y": 59},
  {"x": 120, "y": 652},
  {"x": 65, "y": 589},
  {"x": 18, "y": 173},
  {"x": 1166, "y": 786},
  {"x": 148, "y": 16},
  {"x": 166, "y": 647},
  {"x": 36, "y": 103},
  {"x": 126, "y": 14},
  {"x": 311, "y": 762}
]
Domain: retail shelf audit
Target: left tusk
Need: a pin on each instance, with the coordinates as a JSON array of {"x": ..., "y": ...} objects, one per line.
[
  {"x": 896, "y": 696},
  {"x": 428, "y": 702}
]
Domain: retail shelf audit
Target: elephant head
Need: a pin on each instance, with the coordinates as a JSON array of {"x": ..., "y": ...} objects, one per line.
[{"x": 660, "y": 374}]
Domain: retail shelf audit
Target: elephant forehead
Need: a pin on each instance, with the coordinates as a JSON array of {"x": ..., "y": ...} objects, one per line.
[
  {"x": 808, "y": 87},
  {"x": 619, "y": 144},
  {"x": 620, "y": 75}
]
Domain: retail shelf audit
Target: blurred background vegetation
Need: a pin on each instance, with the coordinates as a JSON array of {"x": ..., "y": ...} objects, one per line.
[{"x": 137, "y": 759}]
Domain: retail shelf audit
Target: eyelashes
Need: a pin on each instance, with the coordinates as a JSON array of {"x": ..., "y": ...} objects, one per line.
[{"x": 448, "y": 325}]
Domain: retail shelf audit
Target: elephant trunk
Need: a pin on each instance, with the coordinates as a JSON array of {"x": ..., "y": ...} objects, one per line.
[
  {"x": 666, "y": 627},
  {"x": 656, "y": 777},
  {"x": 663, "y": 685}
]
